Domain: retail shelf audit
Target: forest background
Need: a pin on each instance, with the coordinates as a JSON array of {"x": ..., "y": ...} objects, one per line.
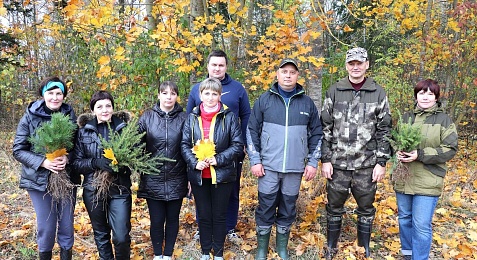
[{"x": 129, "y": 46}]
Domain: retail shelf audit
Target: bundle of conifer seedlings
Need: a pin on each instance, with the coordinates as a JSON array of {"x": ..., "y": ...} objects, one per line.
[
  {"x": 125, "y": 149},
  {"x": 54, "y": 138},
  {"x": 405, "y": 137}
]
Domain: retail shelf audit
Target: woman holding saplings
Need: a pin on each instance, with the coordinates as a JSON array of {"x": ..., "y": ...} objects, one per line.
[
  {"x": 211, "y": 146},
  {"x": 106, "y": 193},
  {"x": 54, "y": 217},
  {"x": 164, "y": 192},
  {"x": 417, "y": 194}
]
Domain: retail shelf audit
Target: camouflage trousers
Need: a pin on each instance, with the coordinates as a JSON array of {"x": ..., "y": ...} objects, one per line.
[{"x": 359, "y": 183}]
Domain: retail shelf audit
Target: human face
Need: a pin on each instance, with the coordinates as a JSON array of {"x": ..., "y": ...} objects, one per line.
[
  {"x": 426, "y": 98},
  {"x": 209, "y": 98},
  {"x": 103, "y": 110},
  {"x": 217, "y": 67},
  {"x": 168, "y": 99},
  {"x": 287, "y": 77},
  {"x": 53, "y": 99},
  {"x": 357, "y": 70}
]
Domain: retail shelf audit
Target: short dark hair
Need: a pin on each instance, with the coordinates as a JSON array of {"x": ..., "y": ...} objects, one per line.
[
  {"x": 100, "y": 95},
  {"x": 218, "y": 53},
  {"x": 44, "y": 82},
  {"x": 168, "y": 84},
  {"x": 428, "y": 84}
]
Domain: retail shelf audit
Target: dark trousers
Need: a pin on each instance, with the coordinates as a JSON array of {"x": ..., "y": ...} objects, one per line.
[
  {"x": 362, "y": 188},
  {"x": 211, "y": 201},
  {"x": 53, "y": 220},
  {"x": 233, "y": 208},
  {"x": 160, "y": 212},
  {"x": 112, "y": 214}
]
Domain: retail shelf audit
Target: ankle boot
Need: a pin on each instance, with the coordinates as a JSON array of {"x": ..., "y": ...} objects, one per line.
[
  {"x": 333, "y": 230},
  {"x": 45, "y": 255},
  {"x": 282, "y": 245},
  {"x": 365, "y": 225},
  {"x": 263, "y": 239},
  {"x": 66, "y": 254}
]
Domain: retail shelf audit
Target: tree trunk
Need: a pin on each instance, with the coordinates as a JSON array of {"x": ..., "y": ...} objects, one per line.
[
  {"x": 151, "y": 18},
  {"x": 197, "y": 9},
  {"x": 315, "y": 79}
]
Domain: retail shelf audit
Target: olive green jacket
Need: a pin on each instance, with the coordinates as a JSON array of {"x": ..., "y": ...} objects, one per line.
[{"x": 438, "y": 145}]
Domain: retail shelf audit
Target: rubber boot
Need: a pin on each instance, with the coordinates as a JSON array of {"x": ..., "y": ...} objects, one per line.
[
  {"x": 365, "y": 225},
  {"x": 282, "y": 245},
  {"x": 66, "y": 254},
  {"x": 45, "y": 255},
  {"x": 333, "y": 231},
  {"x": 263, "y": 239}
]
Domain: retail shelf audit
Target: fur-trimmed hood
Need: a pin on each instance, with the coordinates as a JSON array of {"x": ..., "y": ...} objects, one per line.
[{"x": 83, "y": 119}]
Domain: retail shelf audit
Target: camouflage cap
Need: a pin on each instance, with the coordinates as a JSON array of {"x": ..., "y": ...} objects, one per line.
[
  {"x": 287, "y": 61},
  {"x": 358, "y": 53}
]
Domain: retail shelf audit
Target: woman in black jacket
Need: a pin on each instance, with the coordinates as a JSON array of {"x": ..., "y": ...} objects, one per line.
[
  {"x": 164, "y": 192},
  {"x": 212, "y": 178},
  {"x": 36, "y": 170},
  {"x": 113, "y": 211}
]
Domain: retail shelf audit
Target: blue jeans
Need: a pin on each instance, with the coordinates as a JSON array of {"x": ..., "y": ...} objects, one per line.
[{"x": 415, "y": 224}]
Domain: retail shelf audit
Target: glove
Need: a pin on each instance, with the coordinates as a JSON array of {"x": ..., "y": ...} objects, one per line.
[{"x": 102, "y": 164}]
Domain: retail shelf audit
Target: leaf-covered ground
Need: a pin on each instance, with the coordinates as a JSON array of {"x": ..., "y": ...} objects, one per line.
[{"x": 455, "y": 220}]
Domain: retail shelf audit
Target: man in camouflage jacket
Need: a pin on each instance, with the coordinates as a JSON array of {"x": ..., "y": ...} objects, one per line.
[{"x": 356, "y": 126}]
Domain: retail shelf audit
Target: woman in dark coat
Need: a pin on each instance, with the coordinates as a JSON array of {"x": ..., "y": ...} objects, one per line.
[
  {"x": 36, "y": 169},
  {"x": 212, "y": 178},
  {"x": 164, "y": 192},
  {"x": 110, "y": 213}
]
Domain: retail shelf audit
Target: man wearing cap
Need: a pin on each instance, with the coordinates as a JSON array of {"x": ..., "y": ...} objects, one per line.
[
  {"x": 283, "y": 144},
  {"x": 356, "y": 126}
]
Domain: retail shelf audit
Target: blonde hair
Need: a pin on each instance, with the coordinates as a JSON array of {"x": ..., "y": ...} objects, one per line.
[{"x": 212, "y": 84}]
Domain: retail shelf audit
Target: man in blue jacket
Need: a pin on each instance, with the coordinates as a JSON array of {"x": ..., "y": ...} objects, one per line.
[
  {"x": 235, "y": 97},
  {"x": 283, "y": 145}
]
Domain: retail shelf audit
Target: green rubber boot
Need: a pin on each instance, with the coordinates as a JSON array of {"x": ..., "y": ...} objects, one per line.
[
  {"x": 263, "y": 239},
  {"x": 282, "y": 245}
]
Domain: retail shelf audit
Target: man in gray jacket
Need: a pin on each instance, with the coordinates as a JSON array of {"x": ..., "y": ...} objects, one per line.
[
  {"x": 356, "y": 127},
  {"x": 283, "y": 144}
]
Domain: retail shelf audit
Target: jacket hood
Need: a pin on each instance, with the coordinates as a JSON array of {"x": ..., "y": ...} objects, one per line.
[
  {"x": 175, "y": 110},
  {"x": 83, "y": 119},
  {"x": 37, "y": 108}
]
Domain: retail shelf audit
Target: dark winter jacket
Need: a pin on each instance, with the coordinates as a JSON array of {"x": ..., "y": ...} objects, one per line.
[
  {"x": 438, "y": 145},
  {"x": 356, "y": 125},
  {"x": 227, "y": 138},
  {"x": 88, "y": 147},
  {"x": 284, "y": 138},
  {"x": 234, "y": 96},
  {"x": 163, "y": 139},
  {"x": 34, "y": 177}
]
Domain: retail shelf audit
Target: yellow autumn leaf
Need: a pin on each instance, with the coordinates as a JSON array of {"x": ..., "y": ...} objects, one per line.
[
  {"x": 3, "y": 11},
  {"x": 55, "y": 154},
  {"x": 204, "y": 149},
  {"x": 104, "y": 60},
  {"x": 108, "y": 153},
  {"x": 347, "y": 29}
]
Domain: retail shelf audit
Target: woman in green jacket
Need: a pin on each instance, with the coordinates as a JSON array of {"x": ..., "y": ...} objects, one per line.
[{"x": 417, "y": 195}]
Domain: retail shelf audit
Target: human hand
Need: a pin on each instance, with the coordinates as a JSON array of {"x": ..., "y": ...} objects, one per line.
[
  {"x": 327, "y": 170},
  {"x": 52, "y": 166},
  {"x": 211, "y": 160},
  {"x": 310, "y": 173},
  {"x": 201, "y": 165},
  {"x": 258, "y": 170},
  {"x": 407, "y": 157},
  {"x": 378, "y": 173},
  {"x": 103, "y": 164}
]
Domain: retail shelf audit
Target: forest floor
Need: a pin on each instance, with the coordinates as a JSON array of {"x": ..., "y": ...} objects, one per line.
[{"x": 455, "y": 220}]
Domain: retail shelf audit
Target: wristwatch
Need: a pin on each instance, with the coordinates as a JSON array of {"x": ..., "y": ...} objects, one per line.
[{"x": 382, "y": 163}]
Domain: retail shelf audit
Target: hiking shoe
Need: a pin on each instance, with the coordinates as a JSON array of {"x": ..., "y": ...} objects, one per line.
[{"x": 234, "y": 237}]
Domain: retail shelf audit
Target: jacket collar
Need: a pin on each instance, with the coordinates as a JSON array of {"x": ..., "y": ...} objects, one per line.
[
  {"x": 369, "y": 85},
  {"x": 118, "y": 120},
  {"x": 175, "y": 110}
]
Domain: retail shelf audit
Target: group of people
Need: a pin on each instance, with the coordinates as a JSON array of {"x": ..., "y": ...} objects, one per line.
[{"x": 285, "y": 137}]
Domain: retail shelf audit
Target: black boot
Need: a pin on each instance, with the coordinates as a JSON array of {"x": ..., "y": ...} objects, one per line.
[
  {"x": 263, "y": 239},
  {"x": 365, "y": 225},
  {"x": 45, "y": 255},
  {"x": 282, "y": 245},
  {"x": 66, "y": 254},
  {"x": 333, "y": 230}
]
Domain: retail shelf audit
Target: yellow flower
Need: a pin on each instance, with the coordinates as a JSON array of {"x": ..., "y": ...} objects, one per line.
[
  {"x": 204, "y": 149},
  {"x": 55, "y": 154},
  {"x": 108, "y": 153}
]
